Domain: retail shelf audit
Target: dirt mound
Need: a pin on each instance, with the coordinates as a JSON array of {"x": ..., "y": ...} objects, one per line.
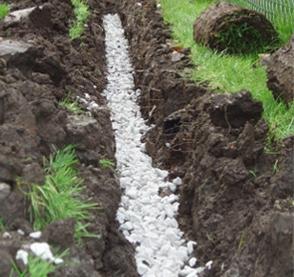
[
  {"x": 33, "y": 125},
  {"x": 280, "y": 71},
  {"x": 230, "y": 28},
  {"x": 235, "y": 198}
]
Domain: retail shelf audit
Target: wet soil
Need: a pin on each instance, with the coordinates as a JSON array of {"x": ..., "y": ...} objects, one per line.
[
  {"x": 236, "y": 197},
  {"x": 33, "y": 126}
]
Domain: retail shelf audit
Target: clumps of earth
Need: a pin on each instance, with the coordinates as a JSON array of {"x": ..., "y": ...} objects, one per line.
[{"x": 235, "y": 196}]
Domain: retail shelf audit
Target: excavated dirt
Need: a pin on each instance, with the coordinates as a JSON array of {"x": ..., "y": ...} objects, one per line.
[
  {"x": 235, "y": 198},
  {"x": 33, "y": 125},
  {"x": 236, "y": 195}
]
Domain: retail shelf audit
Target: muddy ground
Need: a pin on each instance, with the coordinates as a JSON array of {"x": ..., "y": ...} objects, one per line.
[
  {"x": 236, "y": 200},
  {"x": 236, "y": 197},
  {"x": 33, "y": 125}
]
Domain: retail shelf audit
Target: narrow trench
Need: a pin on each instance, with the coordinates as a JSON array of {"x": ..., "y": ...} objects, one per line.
[{"x": 146, "y": 219}]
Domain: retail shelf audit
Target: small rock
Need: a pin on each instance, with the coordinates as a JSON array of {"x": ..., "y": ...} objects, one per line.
[
  {"x": 35, "y": 235},
  {"x": 23, "y": 256},
  {"x": 5, "y": 190},
  {"x": 6, "y": 235}
]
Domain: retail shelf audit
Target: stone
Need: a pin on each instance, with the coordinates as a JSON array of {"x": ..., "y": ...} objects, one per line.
[{"x": 5, "y": 190}]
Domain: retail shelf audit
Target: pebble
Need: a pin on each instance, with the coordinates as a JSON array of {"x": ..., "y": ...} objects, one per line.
[
  {"x": 145, "y": 218},
  {"x": 20, "y": 232},
  {"x": 23, "y": 256},
  {"x": 4, "y": 190},
  {"x": 35, "y": 235},
  {"x": 7, "y": 235}
]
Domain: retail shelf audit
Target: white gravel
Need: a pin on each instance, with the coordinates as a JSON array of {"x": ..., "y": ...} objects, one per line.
[{"x": 146, "y": 219}]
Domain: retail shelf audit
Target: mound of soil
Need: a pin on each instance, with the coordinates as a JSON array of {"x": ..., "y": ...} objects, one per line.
[
  {"x": 234, "y": 29},
  {"x": 280, "y": 71},
  {"x": 235, "y": 198},
  {"x": 45, "y": 68}
]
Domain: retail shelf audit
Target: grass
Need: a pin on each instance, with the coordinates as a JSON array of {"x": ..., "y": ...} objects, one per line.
[
  {"x": 281, "y": 13},
  {"x": 106, "y": 164},
  {"x": 60, "y": 197},
  {"x": 36, "y": 268},
  {"x": 2, "y": 225},
  {"x": 225, "y": 73},
  {"x": 71, "y": 105},
  {"x": 81, "y": 11},
  {"x": 4, "y": 10}
]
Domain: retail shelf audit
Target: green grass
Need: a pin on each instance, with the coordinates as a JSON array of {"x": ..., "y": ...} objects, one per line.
[
  {"x": 4, "y": 10},
  {"x": 70, "y": 105},
  {"x": 280, "y": 12},
  {"x": 2, "y": 225},
  {"x": 36, "y": 268},
  {"x": 81, "y": 11},
  {"x": 225, "y": 73},
  {"x": 60, "y": 197},
  {"x": 106, "y": 164}
]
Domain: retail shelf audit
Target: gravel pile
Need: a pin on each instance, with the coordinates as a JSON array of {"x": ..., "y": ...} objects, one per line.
[{"x": 146, "y": 219}]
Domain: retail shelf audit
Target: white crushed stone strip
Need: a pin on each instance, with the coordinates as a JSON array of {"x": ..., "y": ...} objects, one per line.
[{"x": 146, "y": 219}]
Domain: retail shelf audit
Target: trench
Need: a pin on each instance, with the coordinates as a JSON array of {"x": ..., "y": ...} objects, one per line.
[{"x": 146, "y": 219}]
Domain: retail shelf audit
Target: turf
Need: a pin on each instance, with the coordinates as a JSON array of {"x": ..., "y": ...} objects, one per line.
[{"x": 225, "y": 73}]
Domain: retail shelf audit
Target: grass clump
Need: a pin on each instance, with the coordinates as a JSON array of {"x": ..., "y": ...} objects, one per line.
[
  {"x": 36, "y": 268},
  {"x": 60, "y": 197},
  {"x": 106, "y": 164},
  {"x": 71, "y": 105},
  {"x": 4, "y": 10},
  {"x": 227, "y": 73},
  {"x": 81, "y": 11}
]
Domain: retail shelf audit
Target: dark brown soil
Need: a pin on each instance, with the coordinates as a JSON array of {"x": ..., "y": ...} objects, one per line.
[
  {"x": 280, "y": 71},
  {"x": 33, "y": 125},
  {"x": 236, "y": 195}
]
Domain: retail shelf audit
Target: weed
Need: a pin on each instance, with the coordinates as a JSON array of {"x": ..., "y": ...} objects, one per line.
[
  {"x": 253, "y": 173},
  {"x": 242, "y": 241},
  {"x": 81, "y": 11},
  {"x": 224, "y": 72},
  {"x": 59, "y": 198},
  {"x": 106, "y": 163},
  {"x": 70, "y": 105},
  {"x": 276, "y": 167},
  {"x": 2, "y": 225},
  {"x": 4, "y": 10},
  {"x": 36, "y": 268}
]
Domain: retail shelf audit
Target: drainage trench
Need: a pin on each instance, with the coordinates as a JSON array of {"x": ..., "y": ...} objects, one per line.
[{"x": 146, "y": 219}]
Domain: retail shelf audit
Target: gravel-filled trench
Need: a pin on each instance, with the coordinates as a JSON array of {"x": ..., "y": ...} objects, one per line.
[{"x": 147, "y": 219}]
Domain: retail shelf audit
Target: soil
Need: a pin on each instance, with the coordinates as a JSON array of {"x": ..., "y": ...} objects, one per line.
[
  {"x": 236, "y": 195},
  {"x": 33, "y": 125},
  {"x": 280, "y": 71}
]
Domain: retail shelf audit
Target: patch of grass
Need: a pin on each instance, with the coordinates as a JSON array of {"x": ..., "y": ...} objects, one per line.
[
  {"x": 225, "y": 73},
  {"x": 106, "y": 163},
  {"x": 71, "y": 105},
  {"x": 81, "y": 11},
  {"x": 60, "y": 197},
  {"x": 36, "y": 268},
  {"x": 4, "y": 10},
  {"x": 2, "y": 225}
]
